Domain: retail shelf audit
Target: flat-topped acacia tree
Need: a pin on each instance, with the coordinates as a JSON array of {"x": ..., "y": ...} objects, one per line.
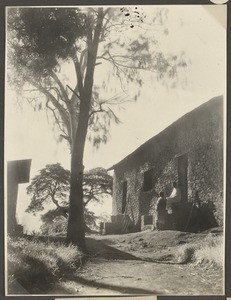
[
  {"x": 52, "y": 185},
  {"x": 42, "y": 41}
]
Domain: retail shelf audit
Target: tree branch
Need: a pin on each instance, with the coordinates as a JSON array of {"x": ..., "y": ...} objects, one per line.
[
  {"x": 96, "y": 111},
  {"x": 66, "y": 137},
  {"x": 62, "y": 89},
  {"x": 83, "y": 61},
  {"x": 61, "y": 208},
  {"x": 56, "y": 118},
  {"x": 62, "y": 111},
  {"x": 73, "y": 91},
  {"x": 85, "y": 203},
  {"x": 79, "y": 74},
  {"x": 116, "y": 63}
]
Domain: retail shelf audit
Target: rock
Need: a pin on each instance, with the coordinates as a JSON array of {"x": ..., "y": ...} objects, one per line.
[{"x": 181, "y": 242}]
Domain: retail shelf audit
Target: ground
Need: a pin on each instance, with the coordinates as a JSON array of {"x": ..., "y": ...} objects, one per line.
[{"x": 140, "y": 263}]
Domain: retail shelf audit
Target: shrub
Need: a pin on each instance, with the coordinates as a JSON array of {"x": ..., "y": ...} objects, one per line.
[
  {"x": 36, "y": 265},
  {"x": 209, "y": 252},
  {"x": 186, "y": 254}
]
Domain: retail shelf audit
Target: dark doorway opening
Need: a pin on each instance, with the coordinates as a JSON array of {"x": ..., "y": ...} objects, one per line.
[
  {"x": 183, "y": 176},
  {"x": 124, "y": 196},
  {"x": 148, "y": 180}
]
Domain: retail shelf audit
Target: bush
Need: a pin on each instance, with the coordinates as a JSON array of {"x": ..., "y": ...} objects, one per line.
[
  {"x": 208, "y": 252},
  {"x": 211, "y": 252},
  {"x": 185, "y": 254},
  {"x": 37, "y": 265}
]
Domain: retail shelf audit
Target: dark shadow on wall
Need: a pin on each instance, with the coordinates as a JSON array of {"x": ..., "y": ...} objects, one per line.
[
  {"x": 202, "y": 217},
  {"x": 206, "y": 216}
]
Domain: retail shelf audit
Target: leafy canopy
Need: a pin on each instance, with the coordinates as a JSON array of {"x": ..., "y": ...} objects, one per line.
[
  {"x": 43, "y": 41},
  {"x": 52, "y": 185},
  {"x": 41, "y": 37}
]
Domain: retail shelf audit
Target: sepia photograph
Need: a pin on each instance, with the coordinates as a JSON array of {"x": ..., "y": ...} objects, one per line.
[{"x": 115, "y": 150}]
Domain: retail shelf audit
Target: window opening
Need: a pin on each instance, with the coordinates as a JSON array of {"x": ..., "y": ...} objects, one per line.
[{"x": 148, "y": 180}]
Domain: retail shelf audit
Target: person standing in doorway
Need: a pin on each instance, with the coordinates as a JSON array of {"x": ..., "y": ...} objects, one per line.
[
  {"x": 175, "y": 196},
  {"x": 161, "y": 212},
  {"x": 171, "y": 205}
]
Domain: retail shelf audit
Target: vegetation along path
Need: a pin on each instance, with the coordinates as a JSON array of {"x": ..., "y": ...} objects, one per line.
[{"x": 145, "y": 263}]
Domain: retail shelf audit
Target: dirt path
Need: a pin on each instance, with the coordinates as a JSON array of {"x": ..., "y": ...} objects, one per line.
[
  {"x": 101, "y": 276},
  {"x": 111, "y": 271}
]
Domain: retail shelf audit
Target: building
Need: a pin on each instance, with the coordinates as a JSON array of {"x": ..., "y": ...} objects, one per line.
[
  {"x": 18, "y": 171},
  {"x": 190, "y": 152}
]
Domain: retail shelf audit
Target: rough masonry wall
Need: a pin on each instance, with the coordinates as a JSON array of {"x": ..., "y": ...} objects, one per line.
[
  {"x": 133, "y": 185},
  {"x": 205, "y": 173},
  {"x": 140, "y": 202},
  {"x": 116, "y": 195},
  {"x": 201, "y": 137}
]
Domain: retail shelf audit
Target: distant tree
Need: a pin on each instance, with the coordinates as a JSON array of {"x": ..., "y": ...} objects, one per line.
[
  {"x": 96, "y": 183},
  {"x": 54, "y": 222},
  {"x": 42, "y": 40},
  {"x": 52, "y": 185}
]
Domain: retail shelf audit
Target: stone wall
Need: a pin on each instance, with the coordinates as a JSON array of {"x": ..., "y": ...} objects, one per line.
[{"x": 200, "y": 135}]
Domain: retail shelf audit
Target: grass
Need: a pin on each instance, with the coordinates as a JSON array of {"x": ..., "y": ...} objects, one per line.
[
  {"x": 208, "y": 252},
  {"x": 41, "y": 265},
  {"x": 36, "y": 265}
]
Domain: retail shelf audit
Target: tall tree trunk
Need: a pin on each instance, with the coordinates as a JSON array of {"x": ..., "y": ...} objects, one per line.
[{"x": 76, "y": 222}]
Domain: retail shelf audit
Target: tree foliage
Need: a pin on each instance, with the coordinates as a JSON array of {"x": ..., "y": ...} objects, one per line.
[
  {"x": 41, "y": 40},
  {"x": 54, "y": 222},
  {"x": 40, "y": 37},
  {"x": 52, "y": 185},
  {"x": 96, "y": 183}
]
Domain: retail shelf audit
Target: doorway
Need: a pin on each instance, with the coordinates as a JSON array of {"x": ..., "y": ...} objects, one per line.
[{"x": 182, "y": 165}]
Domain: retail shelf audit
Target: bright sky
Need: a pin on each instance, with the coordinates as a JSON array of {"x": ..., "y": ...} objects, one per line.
[{"x": 199, "y": 32}]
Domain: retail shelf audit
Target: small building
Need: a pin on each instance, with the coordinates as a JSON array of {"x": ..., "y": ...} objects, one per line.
[
  {"x": 190, "y": 152},
  {"x": 18, "y": 171}
]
